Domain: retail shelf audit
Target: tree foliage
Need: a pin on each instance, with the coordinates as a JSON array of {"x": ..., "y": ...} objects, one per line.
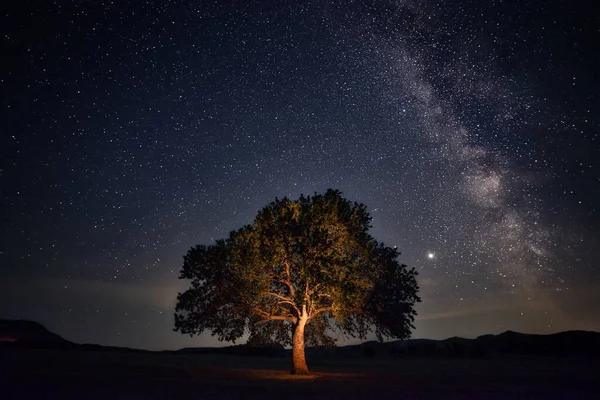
[{"x": 311, "y": 260}]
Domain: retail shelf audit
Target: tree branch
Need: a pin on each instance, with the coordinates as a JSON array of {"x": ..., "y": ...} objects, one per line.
[
  {"x": 261, "y": 312},
  {"x": 280, "y": 297},
  {"x": 288, "y": 317},
  {"x": 284, "y": 300},
  {"x": 319, "y": 311},
  {"x": 314, "y": 289},
  {"x": 270, "y": 317},
  {"x": 288, "y": 281}
]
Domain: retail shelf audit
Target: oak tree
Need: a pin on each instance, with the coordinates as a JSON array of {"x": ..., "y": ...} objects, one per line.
[{"x": 302, "y": 271}]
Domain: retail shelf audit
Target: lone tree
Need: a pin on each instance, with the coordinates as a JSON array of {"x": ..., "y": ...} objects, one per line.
[{"x": 302, "y": 270}]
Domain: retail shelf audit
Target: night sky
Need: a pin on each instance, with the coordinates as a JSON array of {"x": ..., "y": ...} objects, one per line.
[{"x": 132, "y": 131}]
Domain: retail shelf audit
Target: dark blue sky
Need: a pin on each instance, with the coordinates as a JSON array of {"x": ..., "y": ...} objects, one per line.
[{"x": 132, "y": 131}]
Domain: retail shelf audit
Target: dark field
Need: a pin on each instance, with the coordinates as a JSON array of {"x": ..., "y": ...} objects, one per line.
[{"x": 60, "y": 374}]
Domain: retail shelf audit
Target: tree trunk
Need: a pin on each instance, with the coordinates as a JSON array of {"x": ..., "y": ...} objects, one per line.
[{"x": 298, "y": 361}]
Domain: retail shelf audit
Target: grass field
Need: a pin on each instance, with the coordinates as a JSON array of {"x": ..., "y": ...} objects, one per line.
[{"x": 49, "y": 374}]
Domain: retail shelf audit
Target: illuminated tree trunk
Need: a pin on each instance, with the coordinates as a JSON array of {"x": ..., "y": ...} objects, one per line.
[{"x": 298, "y": 361}]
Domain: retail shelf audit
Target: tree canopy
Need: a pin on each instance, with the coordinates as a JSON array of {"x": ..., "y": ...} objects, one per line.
[{"x": 302, "y": 271}]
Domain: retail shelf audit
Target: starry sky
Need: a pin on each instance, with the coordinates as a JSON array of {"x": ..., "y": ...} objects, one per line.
[{"x": 134, "y": 130}]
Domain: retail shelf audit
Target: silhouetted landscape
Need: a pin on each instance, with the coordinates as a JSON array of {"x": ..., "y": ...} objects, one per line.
[{"x": 38, "y": 363}]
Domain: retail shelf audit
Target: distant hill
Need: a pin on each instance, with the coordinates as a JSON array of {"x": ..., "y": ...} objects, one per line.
[
  {"x": 23, "y": 333},
  {"x": 569, "y": 343},
  {"x": 29, "y": 334},
  {"x": 563, "y": 344},
  {"x": 32, "y": 335}
]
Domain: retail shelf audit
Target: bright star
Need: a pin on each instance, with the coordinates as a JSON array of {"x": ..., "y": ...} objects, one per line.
[{"x": 430, "y": 255}]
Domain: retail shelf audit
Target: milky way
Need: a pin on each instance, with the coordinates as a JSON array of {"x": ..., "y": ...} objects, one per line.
[
  {"x": 133, "y": 132},
  {"x": 480, "y": 185}
]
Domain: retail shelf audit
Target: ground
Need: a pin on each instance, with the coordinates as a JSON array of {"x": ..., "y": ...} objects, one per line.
[{"x": 64, "y": 374}]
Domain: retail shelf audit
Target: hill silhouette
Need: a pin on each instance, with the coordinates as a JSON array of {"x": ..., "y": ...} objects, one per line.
[
  {"x": 562, "y": 344},
  {"x": 30, "y": 334}
]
